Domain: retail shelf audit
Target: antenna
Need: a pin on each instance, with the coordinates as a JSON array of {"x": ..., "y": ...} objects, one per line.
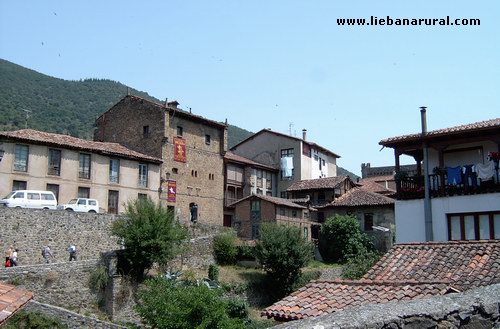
[
  {"x": 290, "y": 125},
  {"x": 27, "y": 112}
]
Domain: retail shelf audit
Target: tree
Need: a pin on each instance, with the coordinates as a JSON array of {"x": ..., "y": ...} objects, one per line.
[
  {"x": 341, "y": 239},
  {"x": 169, "y": 304},
  {"x": 224, "y": 247},
  {"x": 283, "y": 251},
  {"x": 150, "y": 235}
]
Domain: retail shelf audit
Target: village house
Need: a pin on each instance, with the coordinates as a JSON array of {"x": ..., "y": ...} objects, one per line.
[
  {"x": 244, "y": 177},
  {"x": 296, "y": 158},
  {"x": 192, "y": 149},
  {"x": 463, "y": 200},
  {"x": 252, "y": 211},
  {"x": 76, "y": 168},
  {"x": 406, "y": 272}
]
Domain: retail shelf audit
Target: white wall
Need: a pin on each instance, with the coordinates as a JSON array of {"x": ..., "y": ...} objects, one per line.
[{"x": 410, "y": 222}]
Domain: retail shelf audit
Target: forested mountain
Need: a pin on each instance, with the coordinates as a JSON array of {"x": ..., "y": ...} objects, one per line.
[
  {"x": 29, "y": 98},
  {"x": 63, "y": 106}
]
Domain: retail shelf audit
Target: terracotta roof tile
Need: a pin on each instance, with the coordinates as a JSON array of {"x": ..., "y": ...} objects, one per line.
[
  {"x": 358, "y": 196},
  {"x": 317, "y": 184},
  {"x": 373, "y": 186},
  {"x": 488, "y": 124},
  {"x": 59, "y": 140},
  {"x": 12, "y": 299},
  {"x": 230, "y": 156},
  {"x": 465, "y": 264},
  {"x": 324, "y": 297}
]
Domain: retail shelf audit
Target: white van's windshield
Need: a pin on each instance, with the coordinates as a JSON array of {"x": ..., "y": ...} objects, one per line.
[
  {"x": 9, "y": 195},
  {"x": 72, "y": 201}
]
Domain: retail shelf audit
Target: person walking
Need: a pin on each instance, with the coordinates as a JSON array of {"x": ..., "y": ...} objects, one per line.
[
  {"x": 8, "y": 253},
  {"x": 72, "y": 252},
  {"x": 13, "y": 258},
  {"x": 46, "y": 253}
]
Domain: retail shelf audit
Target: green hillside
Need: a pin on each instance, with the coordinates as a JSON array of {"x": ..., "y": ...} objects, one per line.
[{"x": 67, "y": 107}]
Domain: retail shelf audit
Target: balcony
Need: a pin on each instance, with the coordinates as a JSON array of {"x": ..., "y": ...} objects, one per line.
[{"x": 413, "y": 187}]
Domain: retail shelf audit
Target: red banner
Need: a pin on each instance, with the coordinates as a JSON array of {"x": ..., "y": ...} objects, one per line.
[
  {"x": 171, "y": 190},
  {"x": 179, "y": 149}
]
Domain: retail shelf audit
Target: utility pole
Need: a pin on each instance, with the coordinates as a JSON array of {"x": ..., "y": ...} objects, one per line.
[{"x": 27, "y": 112}]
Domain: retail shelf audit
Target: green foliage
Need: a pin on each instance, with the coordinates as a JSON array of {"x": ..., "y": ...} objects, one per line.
[
  {"x": 150, "y": 235},
  {"x": 356, "y": 267},
  {"x": 282, "y": 251},
  {"x": 98, "y": 278},
  {"x": 245, "y": 252},
  {"x": 340, "y": 239},
  {"x": 236, "y": 308},
  {"x": 167, "y": 304},
  {"x": 213, "y": 272},
  {"x": 224, "y": 248},
  {"x": 32, "y": 320}
]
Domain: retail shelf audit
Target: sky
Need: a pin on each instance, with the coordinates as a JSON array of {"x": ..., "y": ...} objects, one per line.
[{"x": 284, "y": 65}]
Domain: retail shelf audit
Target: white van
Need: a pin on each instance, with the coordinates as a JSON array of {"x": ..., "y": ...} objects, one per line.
[
  {"x": 81, "y": 205},
  {"x": 30, "y": 199}
]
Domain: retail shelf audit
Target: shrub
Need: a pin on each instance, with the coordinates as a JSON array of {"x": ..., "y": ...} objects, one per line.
[
  {"x": 237, "y": 308},
  {"x": 167, "y": 304},
  {"x": 282, "y": 251},
  {"x": 213, "y": 272},
  {"x": 224, "y": 248},
  {"x": 246, "y": 252},
  {"x": 32, "y": 320},
  {"x": 356, "y": 267},
  {"x": 340, "y": 239},
  {"x": 98, "y": 278}
]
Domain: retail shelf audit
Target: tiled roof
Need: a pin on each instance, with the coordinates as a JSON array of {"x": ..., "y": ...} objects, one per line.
[
  {"x": 357, "y": 197},
  {"x": 317, "y": 184},
  {"x": 11, "y": 300},
  {"x": 313, "y": 145},
  {"x": 465, "y": 264},
  {"x": 482, "y": 125},
  {"x": 230, "y": 156},
  {"x": 372, "y": 186},
  {"x": 65, "y": 141},
  {"x": 272, "y": 199},
  {"x": 323, "y": 297}
]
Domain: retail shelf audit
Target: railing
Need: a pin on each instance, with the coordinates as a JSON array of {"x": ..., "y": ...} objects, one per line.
[{"x": 413, "y": 187}]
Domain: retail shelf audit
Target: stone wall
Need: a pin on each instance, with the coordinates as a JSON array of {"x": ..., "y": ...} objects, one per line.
[
  {"x": 478, "y": 308},
  {"x": 29, "y": 229}
]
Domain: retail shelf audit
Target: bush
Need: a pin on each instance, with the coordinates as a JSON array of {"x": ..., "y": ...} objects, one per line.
[
  {"x": 224, "y": 248},
  {"x": 98, "y": 278},
  {"x": 246, "y": 252},
  {"x": 150, "y": 235},
  {"x": 356, "y": 267},
  {"x": 32, "y": 320},
  {"x": 213, "y": 272},
  {"x": 282, "y": 251},
  {"x": 340, "y": 239},
  {"x": 169, "y": 304},
  {"x": 237, "y": 308}
]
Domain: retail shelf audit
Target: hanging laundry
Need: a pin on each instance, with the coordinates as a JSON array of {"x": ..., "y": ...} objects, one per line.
[
  {"x": 470, "y": 175},
  {"x": 286, "y": 164},
  {"x": 485, "y": 171},
  {"x": 454, "y": 175}
]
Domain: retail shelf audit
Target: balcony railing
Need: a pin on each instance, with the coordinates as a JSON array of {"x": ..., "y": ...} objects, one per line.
[{"x": 413, "y": 187}]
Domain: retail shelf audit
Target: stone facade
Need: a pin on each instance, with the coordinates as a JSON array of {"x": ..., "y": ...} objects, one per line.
[{"x": 155, "y": 129}]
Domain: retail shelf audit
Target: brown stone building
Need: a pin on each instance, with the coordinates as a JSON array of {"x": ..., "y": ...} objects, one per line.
[
  {"x": 252, "y": 211},
  {"x": 192, "y": 149}
]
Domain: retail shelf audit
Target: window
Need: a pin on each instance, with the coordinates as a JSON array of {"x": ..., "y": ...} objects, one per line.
[
  {"x": 142, "y": 196},
  {"x": 258, "y": 173},
  {"x": 321, "y": 196},
  {"x": 143, "y": 175},
  {"x": 474, "y": 226},
  {"x": 175, "y": 170},
  {"x": 286, "y": 164},
  {"x": 82, "y": 202},
  {"x": 21, "y": 158},
  {"x": 368, "y": 226},
  {"x": 84, "y": 166},
  {"x": 84, "y": 192},
  {"x": 180, "y": 131},
  {"x": 269, "y": 180},
  {"x": 33, "y": 196},
  {"x": 54, "y": 188},
  {"x": 146, "y": 132},
  {"x": 306, "y": 233},
  {"x": 294, "y": 213},
  {"x": 207, "y": 139},
  {"x": 19, "y": 185},
  {"x": 282, "y": 211},
  {"x": 283, "y": 195},
  {"x": 54, "y": 167},
  {"x": 114, "y": 170}
]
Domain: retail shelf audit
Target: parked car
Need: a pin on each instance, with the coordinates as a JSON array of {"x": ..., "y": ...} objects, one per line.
[
  {"x": 30, "y": 199},
  {"x": 81, "y": 205}
]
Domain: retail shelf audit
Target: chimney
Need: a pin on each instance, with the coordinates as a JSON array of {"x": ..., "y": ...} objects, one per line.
[
  {"x": 173, "y": 104},
  {"x": 423, "y": 119},
  {"x": 304, "y": 134}
]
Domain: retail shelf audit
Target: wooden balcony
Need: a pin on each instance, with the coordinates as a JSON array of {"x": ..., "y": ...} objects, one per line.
[{"x": 413, "y": 187}]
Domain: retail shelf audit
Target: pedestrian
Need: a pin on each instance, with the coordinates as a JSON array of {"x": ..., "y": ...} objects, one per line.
[
  {"x": 8, "y": 253},
  {"x": 72, "y": 252},
  {"x": 46, "y": 253},
  {"x": 13, "y": 258}
]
